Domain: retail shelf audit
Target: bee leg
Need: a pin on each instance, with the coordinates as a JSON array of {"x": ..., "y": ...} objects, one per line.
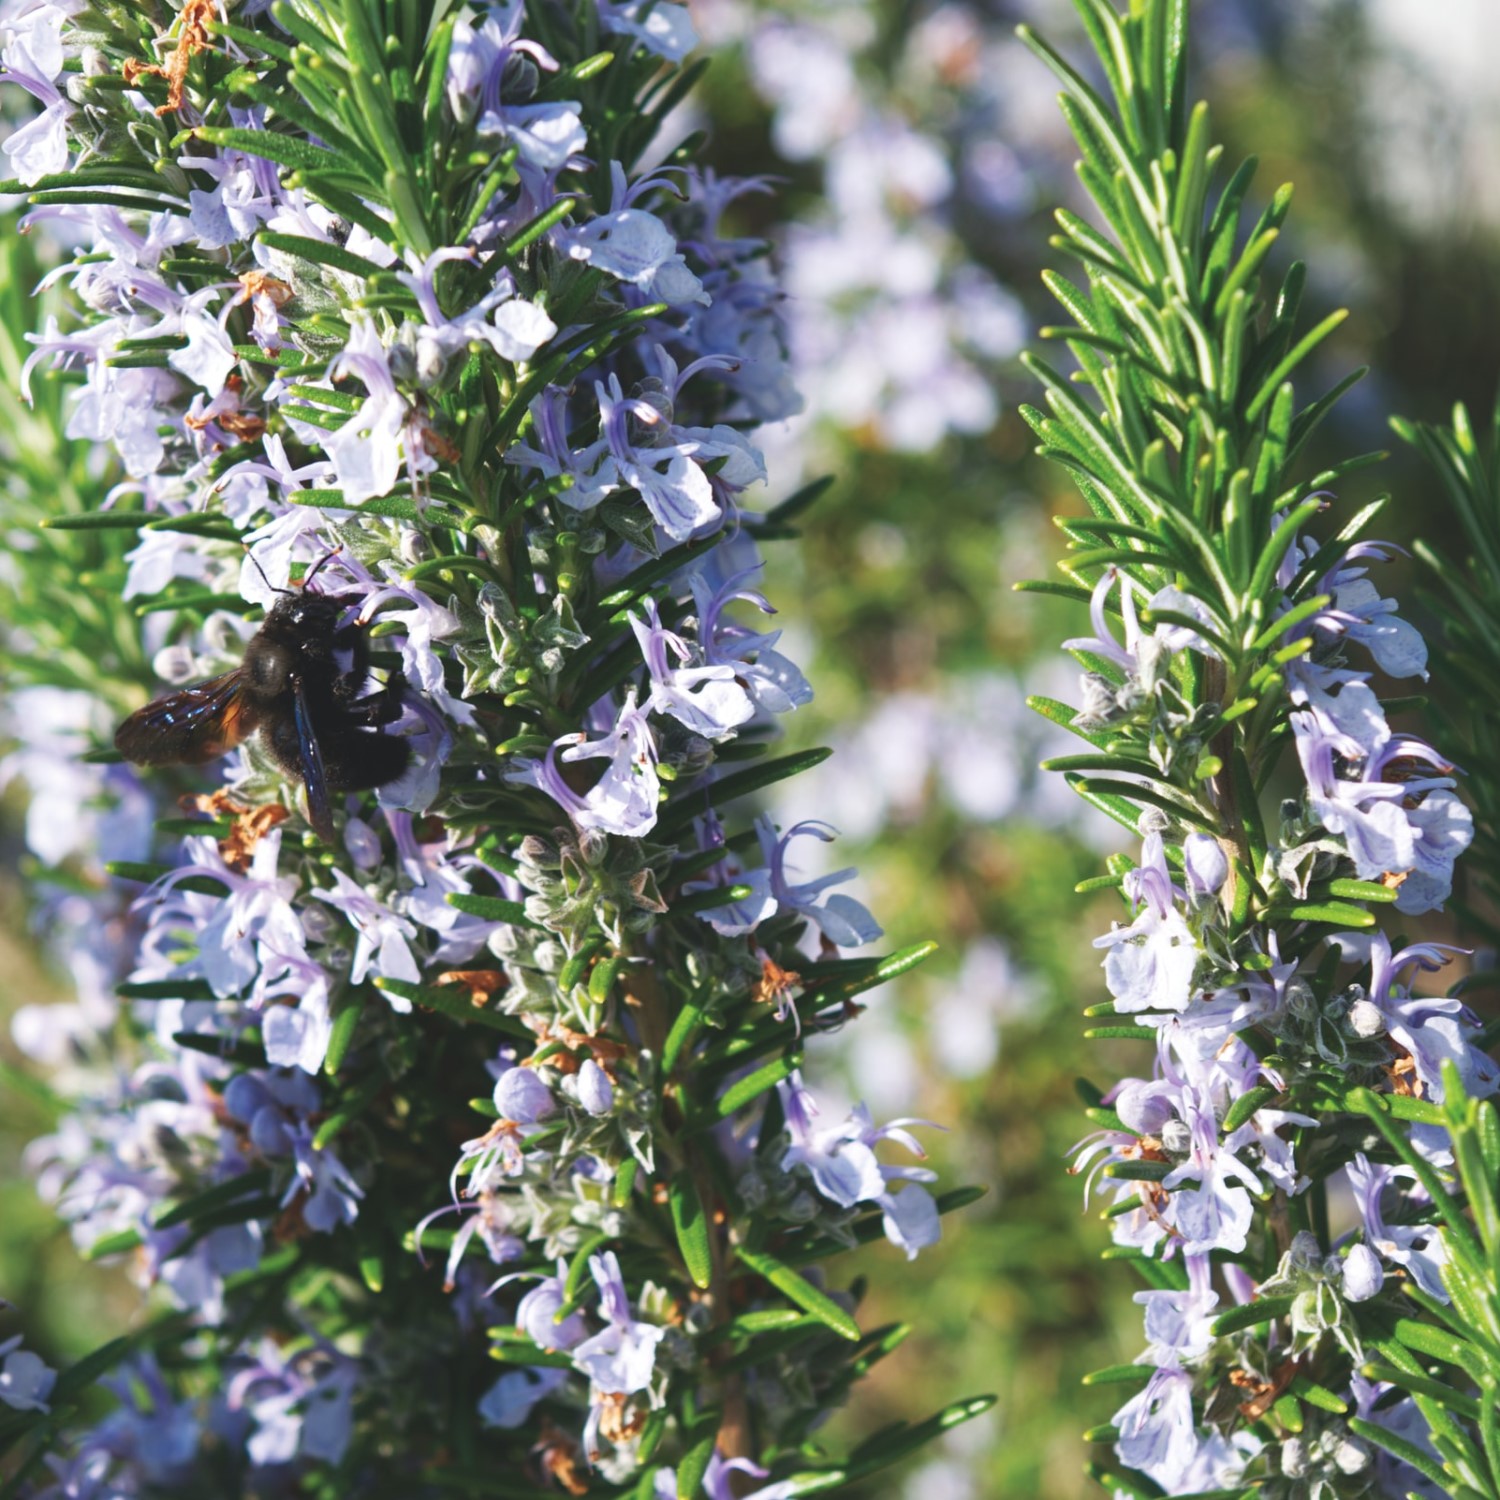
[
  {"x": 355, "y": 760},
  {"x": 349, "y": 684},
  {"x": 384, "y": 706},
  {"x": 355, "y": 640}
]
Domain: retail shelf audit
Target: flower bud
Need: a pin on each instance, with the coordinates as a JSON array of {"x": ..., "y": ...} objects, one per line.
[
  {"x": 1300, "y": 1000},
  {"x": 1142, "y": 1108},
  {"x": 1293, "y": 1458},
  {"x": 176, "y": 664},
  {"x": 1098, "y": 694},
  {"x": 521, "y": 1096},
  {"x": 432, "y": 361},
  {"x": 536, "y": 1315},
  {"x": 413, "y": 548},
  {"x": 518, "y": 79},
  {"x": 363, "y": 844},
  {"x": 595, "y": 1092},
  {"x": 538, "y": 853},
  {"x": 402, "y": 357},
  {"x": 1350, "y": 1456},
  {"x": 1363, "y": 1274},
  {"x": 1206, "y": 864}
]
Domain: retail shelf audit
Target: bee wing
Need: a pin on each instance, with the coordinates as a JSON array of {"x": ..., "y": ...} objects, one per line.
[
  {"x": 187, "y": 728},
  {"x": 314, "y": 774}
]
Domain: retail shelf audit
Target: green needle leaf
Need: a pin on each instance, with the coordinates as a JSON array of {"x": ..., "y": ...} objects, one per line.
[
  {"x": 690, "y": 1224},
  {"x": 798, "y": 1290}
]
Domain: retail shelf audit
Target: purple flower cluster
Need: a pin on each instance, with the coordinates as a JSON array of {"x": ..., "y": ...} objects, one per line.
[
  {"x": 1189, "y": 1171},
  {"x": 1371, "y": 789},
  {"x": 511, "y": 445}
]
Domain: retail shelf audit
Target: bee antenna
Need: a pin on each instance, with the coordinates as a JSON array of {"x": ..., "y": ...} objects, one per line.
[
  {"x": 313, "y": 571},
  {"x": 254, "y": 559}
]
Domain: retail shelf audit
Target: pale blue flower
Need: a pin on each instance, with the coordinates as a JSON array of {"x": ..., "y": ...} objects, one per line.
[
  {"x": 1432, "y": 1030},
  {"x": 672, "y": 486},
  {"x": 246, "y": 193},
  {"x": 1179, "y": 1322},
  {"x": 910, "y": 1218},
  {"x": 624, "y": 800},
  {"x": 1205, "y": 863},
  {"x": 383, "y": 948},
  {"x": 546, "y": 135},
  {"x": 537, "y": 1314},
  {"x": 1442, "y": 829},
  {"x": 301, "y": 1403},
  {"x": 1418, "y": 1248},
  {"x": 719, "y": 1481},
  {"x": 209, "y": 357},
  {"x": 257, "y": 907},
  {"x": 295, "y": 1036},
  {"x": 774, "y": 682},
  {"x": 1158, "y": 1433},
  {"x": 366, "y": 451},
  {"x": 424, "y": 622},
  {"x": 512, "y": 326},
  {"x": 594, "y": 1090},
  {"x": 843, "y": 921},
  {"x": 840, "y": 1159},
  {"x": 34, "y": 59},
  {"x": 633, "y": 245},
  {"x": 1149, "y": 965},
  {"x": 1358, "y": 613},
  {"x": 1363, "y": 1275},
  {"x": 278, "y": 1109},
  {"x": 150, "y": 1431},
  {"x": 1367, "y": 814},
  {"x": 620, "y": 1359},
  {"x": 522, "y": 1097},
  {"x": 706, "y": 698},
  {"x": 1210, "y": 1206},
  {"x": 657, "y": 25},
  {"x": 25, "y": 1379},
  {"x": 509, "y": 1402},
  {"x": 158, "y": 558},
  {"x": 737, "y": 918}
]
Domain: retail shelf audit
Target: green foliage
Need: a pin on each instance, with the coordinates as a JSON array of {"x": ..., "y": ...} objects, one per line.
[
  {"x": 1464, "y": 593},
  {"x": 1184, "y": 432},
  {"x": 1449, "y": 1360},
  {"x": 1187, "y": 459}
]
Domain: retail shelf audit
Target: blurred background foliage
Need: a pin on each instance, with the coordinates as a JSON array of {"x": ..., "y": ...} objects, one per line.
[
  {"x": 918, "y": 155},
  {"x": 65, "y": 1307}
]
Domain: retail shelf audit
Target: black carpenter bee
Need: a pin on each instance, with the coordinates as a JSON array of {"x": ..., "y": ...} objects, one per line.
[{"x": 301, "y": 684}]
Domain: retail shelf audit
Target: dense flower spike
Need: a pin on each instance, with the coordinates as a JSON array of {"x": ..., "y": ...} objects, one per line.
[
  {"x": 1284, "y": 1022},
  {"x": 397, "y": 346}
]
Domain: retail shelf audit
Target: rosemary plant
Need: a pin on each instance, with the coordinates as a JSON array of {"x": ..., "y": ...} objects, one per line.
[
  {"x": 1235, "y": 626},
  {"x": 439, "y": 1061}
]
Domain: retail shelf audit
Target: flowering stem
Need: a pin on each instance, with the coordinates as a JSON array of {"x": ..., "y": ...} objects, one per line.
[
  {"x": 1252, "y": 956},
  {"x": 433, "y": 413}
]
